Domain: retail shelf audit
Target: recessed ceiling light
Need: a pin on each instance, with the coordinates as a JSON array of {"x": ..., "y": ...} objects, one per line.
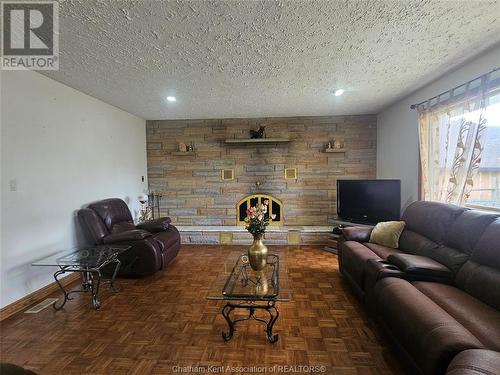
[
  {"x": 338, "y": 92},
  {"x": 171, "y": 98}
]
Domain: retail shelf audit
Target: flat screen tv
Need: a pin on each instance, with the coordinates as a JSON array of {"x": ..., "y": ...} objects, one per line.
[{"x": 368, "y": 201}]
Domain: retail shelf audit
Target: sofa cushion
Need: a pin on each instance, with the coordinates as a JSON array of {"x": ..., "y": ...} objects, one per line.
[
  {"x": 487, "y": 249},
  {"x": 451, "y": 258},
  {"x": 417, "y": 244},
  {"x": 431, "y": 219},
  {"x": 414, "y": 243},
  {"x": 480, "y": 319},
  {"x": 480, "y": 276},
  {"x": 475, "y": 362},
  {"x": 122, "y": 226},
  {"x": 112, "y": 211},
  {"x": 387, "y": 233},
  {"x": 382, "y": 251},
  {"x": 430, "y": 335},
  {"x": 420, "y": 266},
  {"x": 482, "y": 282},
  {"x": 467, "y": 229}
]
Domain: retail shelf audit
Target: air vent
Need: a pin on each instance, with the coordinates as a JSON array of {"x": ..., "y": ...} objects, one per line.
[
  {"x": 293, "y": 238},
  {"x": 42, "y": 305},
  {"x": 225, "y": 238},
  {"x": 291, "y": 173},
  {"x": 227, "y": 174}
]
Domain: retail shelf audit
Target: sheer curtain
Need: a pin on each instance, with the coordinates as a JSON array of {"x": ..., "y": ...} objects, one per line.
[{"x": 451, "y": 134}]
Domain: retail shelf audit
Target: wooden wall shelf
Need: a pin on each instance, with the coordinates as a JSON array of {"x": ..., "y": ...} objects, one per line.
[
  {"x": 256, "y": 141},
  {"x": 184, "y": 153},
  {"x": 335, "y": 150}
]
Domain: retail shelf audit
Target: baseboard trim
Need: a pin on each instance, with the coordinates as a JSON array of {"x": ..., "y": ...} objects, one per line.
[{"x": 35, "y": 297}]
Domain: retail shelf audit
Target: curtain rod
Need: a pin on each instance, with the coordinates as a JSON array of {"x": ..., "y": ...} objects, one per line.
[{"x": 413, "y": 106}]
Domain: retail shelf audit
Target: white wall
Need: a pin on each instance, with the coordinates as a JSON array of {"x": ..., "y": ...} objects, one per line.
[
  {"x": 397, "y": 125},
  {"x": 63, "y": 149}
]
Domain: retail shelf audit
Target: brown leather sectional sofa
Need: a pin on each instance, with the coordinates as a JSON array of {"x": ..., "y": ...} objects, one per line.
[{"x": 438, "y": 295}]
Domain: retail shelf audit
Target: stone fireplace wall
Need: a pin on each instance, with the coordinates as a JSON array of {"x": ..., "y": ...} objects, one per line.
[{"x": 195, "y": 194}]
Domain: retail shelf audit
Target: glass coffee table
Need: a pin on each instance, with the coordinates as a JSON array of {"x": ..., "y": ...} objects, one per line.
[
  {"x": 244, "y": 288},
  {"x": 89, "y": 262}
]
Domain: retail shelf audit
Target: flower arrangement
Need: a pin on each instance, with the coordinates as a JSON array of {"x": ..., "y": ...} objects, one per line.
[{"x": 257, "y": 218}]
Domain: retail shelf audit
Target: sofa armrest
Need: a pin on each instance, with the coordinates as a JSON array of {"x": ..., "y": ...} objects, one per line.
[
  {"x": 128, "y": 235},
  {"x": 474, "y": 362},
  {"x": 358, "y": 234},
  {"x": 377, "y": 269},
  {"x": 420, "y": 266},
  {"x": 155, "y": 225}
]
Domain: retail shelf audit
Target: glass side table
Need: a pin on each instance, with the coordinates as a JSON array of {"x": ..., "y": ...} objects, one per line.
[
  {"x": 243, "y": 288},
  {"x": 87, "y": 261}
]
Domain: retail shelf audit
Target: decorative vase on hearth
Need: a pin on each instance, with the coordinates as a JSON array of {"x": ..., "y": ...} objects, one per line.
[{"x": 257, "y": 253}]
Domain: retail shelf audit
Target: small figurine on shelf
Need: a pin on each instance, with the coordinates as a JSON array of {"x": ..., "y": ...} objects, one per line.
[
  {"x": 182, "y": 147},
  {"x": 190, "y": 147},
  {"x": 329, "y": 145},
  {"x": 337, "y": 144},
  {"x": 256, "y": 134}
]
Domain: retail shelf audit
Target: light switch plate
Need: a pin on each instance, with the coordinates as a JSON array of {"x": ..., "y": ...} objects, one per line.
[{"x": 13, "y": 185}]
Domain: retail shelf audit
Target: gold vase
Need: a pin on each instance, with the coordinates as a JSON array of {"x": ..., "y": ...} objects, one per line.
[{"x": 257, "y": 253}]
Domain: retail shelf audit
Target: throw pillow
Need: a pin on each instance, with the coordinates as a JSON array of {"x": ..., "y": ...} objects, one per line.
[{"x": 386, "y": 233}]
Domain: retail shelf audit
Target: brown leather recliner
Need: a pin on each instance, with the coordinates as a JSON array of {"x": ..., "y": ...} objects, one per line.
[
  {"x": 438, "y": 294},
  {"x": 154, "y": 244}
]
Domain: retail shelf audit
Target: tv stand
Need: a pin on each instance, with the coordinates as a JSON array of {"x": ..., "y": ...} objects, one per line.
[{"x": 332, "y": 241}]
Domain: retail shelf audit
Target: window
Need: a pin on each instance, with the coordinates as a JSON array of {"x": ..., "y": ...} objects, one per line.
[
  {"x": 486, "y": 188},
  {"x": 459, "y": 139}
]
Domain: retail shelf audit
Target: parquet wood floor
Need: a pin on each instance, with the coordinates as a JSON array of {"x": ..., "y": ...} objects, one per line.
[{"x": 163, "y": 321}]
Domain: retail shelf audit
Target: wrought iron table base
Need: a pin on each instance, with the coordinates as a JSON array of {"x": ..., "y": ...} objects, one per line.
[
  {"x": 251, "y": 307},
  {"x": 91, "y": 281}
]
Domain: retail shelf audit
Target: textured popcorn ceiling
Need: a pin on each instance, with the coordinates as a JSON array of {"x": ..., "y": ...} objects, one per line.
[{"x": 265, "y": 58}]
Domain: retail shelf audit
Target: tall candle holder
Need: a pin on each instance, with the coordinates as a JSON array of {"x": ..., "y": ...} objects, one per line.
[
  {"x": 154, "y": 200},
  {"x": 150, "y": 206},
  {"x": 144, "y": 212}
]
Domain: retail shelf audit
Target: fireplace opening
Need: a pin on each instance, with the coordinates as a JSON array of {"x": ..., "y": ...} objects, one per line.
[{"x": 275, "y": 208}]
